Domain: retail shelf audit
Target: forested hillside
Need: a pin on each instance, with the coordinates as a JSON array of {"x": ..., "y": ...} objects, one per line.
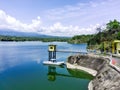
[
  {"x": 80, "y": 39},
  {"x": 110, "y": 33}
]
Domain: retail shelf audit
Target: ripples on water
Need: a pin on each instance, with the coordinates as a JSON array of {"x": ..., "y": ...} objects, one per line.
[{"x": 21, "y": 67}]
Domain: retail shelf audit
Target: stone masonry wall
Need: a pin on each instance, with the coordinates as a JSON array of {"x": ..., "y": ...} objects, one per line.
[
  {"x": 107, "y": 78},
  {"x": 95, "y": 63}
]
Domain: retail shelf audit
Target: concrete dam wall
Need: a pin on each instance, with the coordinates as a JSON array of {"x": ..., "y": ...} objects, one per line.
[{"x": 107, "y": 76}]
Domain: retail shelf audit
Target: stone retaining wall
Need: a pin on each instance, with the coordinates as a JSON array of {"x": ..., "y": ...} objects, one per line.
[
  {"x": 92, "y": 62},
  {"x": 107, "y": 77}
]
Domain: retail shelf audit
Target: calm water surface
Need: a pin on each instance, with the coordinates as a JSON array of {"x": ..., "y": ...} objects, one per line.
[{"x": 21, "y": 67}]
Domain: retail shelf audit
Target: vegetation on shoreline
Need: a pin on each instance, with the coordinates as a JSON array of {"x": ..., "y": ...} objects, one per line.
[
  {"x": 80, "y": 39},
  {"x": 15, "y": 38},
  {"x": 110, "y": 33}
]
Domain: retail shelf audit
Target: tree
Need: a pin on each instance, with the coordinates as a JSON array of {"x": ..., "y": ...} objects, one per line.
[
  {"x": 113, "y": 25},
  {"x": 118, "y": 36},
  {"x": 99, "y": 29}
]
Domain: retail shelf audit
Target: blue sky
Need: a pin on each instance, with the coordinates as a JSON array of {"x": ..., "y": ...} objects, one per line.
[{"x": 57, "y": 17}]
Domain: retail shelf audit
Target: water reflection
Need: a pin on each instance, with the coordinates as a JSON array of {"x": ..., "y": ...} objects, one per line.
[
  {"x": 52, "y": 74},
  {"x": 80, "y": 74}
]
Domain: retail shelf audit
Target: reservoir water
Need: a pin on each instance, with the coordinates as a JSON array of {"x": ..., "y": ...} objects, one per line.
[{"x": 21, "y": 67}]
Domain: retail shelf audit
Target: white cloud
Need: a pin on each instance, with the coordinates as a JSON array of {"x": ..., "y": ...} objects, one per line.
[
  {"x": 9, "y": 22},
  {"x": 77, "y": 19},
  {"x": 87, "y": 15},
  {"x": 58, "y": 29}
]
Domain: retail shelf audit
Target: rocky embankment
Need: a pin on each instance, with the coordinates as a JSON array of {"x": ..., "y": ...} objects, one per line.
[{"x": 107, "y": 76}]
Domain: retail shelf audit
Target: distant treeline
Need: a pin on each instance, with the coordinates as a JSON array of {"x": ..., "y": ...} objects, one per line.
[
  {"x": 15, "y": 38},
  {"x": 80, "y": 39}
]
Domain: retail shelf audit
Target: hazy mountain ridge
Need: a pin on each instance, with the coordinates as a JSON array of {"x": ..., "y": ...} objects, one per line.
[{"x": 22, "y": 34}]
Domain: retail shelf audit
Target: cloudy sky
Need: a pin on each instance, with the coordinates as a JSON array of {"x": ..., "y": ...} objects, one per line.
[{"x": 57, "y": 17}]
